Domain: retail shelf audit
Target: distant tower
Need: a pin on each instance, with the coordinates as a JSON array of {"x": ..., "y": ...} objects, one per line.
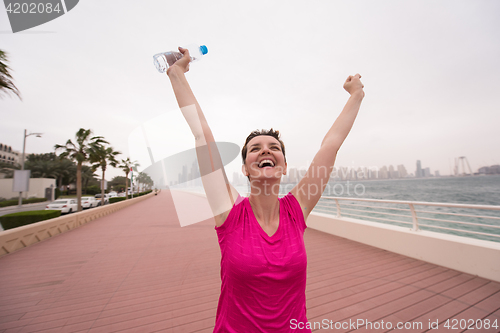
[
  {"x": 457, "y": 166},
  {"x": 383, "y": 173},
  {"x": 418, "y": 172},
  {"x": 402, "y": 171},
  {"x": 293, "y": 176}
]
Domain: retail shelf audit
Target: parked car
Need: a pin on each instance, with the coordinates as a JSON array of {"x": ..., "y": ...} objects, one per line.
[
  {"x": 89, "y": 202},
  {"x": 106, "y": 198},
  {"x": 113, "y": 194},
  {"x": 64, "y": 205}
]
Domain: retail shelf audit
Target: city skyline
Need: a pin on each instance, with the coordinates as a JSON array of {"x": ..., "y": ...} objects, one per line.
[{"x": 191, "y": 176}]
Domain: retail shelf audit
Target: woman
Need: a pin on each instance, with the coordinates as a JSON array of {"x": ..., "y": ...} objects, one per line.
[{"x": 263, "y": 265}]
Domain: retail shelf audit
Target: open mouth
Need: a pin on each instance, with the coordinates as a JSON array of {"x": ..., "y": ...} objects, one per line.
[{"x": 266, "y": 164}]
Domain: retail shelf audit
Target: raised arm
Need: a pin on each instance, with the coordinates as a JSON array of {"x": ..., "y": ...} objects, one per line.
[
  {"x": 308, "y": 191},
  {"x": 220, "y": 194}
]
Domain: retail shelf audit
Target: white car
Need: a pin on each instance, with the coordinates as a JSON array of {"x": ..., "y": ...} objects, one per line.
[
  {"x": 64, "y": 205},
  {"x": 89, "y": 202},
  {"x": 98, "y": 198},
  {"x": 113, "y": 194}
]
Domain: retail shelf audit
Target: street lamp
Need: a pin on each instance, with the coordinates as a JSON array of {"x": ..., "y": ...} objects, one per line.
[{"x": 38, "y": 135}]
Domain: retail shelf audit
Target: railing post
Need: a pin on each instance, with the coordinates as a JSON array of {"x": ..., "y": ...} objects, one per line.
[
  {"x": 414, "y": 217},
  {"x": 338, "y": 207}
]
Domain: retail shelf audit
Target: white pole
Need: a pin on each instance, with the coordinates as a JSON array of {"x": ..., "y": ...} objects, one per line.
[{"x": 20, "y": 202}]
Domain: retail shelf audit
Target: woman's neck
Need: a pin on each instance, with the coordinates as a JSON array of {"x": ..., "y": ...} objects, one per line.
[{"x": 264, "y": 200}]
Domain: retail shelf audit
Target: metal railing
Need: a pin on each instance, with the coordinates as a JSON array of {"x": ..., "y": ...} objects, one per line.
[{"x": 457, "y": 219}]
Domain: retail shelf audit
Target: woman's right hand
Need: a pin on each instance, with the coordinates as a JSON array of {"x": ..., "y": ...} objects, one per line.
[
  {"x": 353, "y": 85},
  {"x": 182, "y": 63}
]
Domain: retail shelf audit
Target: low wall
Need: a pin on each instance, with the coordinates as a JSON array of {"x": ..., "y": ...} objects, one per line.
[
  {"x": 473, "y": 256},
  {"x": 18, "y": 238},
  {"x": 37, "y": 188}
]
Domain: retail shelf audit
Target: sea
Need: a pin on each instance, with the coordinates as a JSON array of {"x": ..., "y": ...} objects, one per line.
[{"x": 475, "y": 190}]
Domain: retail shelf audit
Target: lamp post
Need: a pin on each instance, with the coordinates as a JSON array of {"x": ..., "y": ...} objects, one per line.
[{"x": 38, "y": 135}]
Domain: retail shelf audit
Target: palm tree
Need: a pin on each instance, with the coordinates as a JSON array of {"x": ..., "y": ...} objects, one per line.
[
  {"x": 6, "y": 84},
  {"x": 144, "y": 179},
  {"x": 65, "y": 168},
  {"x": 87, "y": 175},
  {"x": 8, "y": 169},
  {"x": 125, "y": 166},
  {"x": 42, "y": 168},
  {"x": 79, "y": 152},
  {"x": 140, "y": 180},
  {"x": 100, "y": 157},
  {"x": 147, "y": 181}
]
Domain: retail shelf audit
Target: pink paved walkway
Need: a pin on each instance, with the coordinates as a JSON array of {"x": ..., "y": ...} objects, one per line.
[{"x": 137, "y": 271}]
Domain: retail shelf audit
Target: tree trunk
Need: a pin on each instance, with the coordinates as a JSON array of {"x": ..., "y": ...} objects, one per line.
[
  {"x": 86, "y": 185},
  {"x": 102, "y": 188},
  {"x": 79, "y": 185}
]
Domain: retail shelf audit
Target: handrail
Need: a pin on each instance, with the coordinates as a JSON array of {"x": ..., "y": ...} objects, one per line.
[
  {"x": 345, "y": 208},
  {"x": 421, "y": 203}
]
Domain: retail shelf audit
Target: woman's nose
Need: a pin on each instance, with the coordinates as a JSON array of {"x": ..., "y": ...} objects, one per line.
[{"x": 265, "y": 150}]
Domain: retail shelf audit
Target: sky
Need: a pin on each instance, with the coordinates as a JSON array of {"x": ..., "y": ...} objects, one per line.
[{"x": 430, "y": 70}]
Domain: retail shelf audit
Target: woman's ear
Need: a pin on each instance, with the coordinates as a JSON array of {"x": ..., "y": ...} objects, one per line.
[{"x": 244, "y": 170}]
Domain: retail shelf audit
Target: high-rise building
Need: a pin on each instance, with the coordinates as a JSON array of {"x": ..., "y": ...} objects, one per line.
[
  {"x": 383, "y": 173},
  {"x": 418, "y": 172},
  {"x": 293, "y": 176},
  {"x": 393, "y": 173},
  {"x": 363, "y": 173},
  {"x": 402, "y": 171}
]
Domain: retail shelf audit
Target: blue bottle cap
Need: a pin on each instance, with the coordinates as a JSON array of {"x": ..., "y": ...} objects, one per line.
[{"x": 203, "y": 49}]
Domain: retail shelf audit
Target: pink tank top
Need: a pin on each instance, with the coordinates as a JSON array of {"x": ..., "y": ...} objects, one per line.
[{"x": 263, "y": 277}]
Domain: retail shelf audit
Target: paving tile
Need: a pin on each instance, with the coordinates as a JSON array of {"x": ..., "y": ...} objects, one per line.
[{"x": 137, "y": 270}]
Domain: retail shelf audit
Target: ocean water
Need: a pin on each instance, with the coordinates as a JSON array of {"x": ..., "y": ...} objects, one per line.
[{"x": 477, "y": 190}]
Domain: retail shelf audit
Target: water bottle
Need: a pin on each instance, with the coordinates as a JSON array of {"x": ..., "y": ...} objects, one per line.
[{"x": 164, "y": 60}]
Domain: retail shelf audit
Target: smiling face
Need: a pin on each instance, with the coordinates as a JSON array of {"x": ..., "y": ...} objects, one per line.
[{"x": 264, "y": 158}]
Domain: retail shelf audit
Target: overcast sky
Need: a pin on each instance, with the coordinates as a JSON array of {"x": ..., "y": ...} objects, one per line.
[{"x": 430, "y": 70}]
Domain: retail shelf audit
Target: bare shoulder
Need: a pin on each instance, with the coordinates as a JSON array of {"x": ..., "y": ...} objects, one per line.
[{"x": 221, "y": 218}]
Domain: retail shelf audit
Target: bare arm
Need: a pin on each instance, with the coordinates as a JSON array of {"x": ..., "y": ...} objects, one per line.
[
  {"x": 220, "y": 194},
  {"x": 308, "y": 191}
]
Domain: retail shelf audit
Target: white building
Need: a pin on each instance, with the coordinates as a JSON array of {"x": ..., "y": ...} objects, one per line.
[{"x": 8, "y": 155}]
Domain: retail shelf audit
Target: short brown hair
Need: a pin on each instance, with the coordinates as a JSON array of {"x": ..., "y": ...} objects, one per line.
[{"x": 271, "y": 132}]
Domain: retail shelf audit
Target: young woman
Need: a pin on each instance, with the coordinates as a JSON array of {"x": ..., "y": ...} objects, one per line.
[{"x": 263, "y": 265}]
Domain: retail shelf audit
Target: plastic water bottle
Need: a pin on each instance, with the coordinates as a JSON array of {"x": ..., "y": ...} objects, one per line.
[{"x": 164, "y": 60}]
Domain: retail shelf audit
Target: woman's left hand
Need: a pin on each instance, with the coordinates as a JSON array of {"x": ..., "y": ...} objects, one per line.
[
  {"x": 182, "y": 63},
  {"x": 353, "y": 85}
]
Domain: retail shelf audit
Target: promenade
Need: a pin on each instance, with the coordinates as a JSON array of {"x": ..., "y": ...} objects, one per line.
[{"x": 137, "y": 270}]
